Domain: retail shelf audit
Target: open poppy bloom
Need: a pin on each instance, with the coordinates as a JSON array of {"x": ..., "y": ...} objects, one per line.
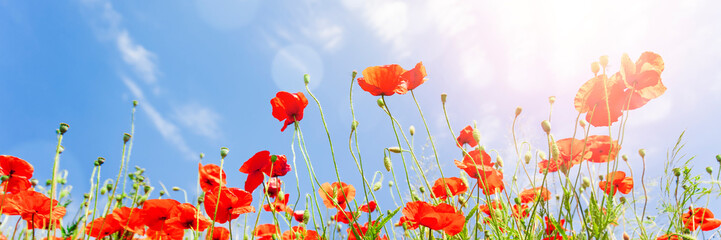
[
  {"x": 345, "y": 216},
  {"x": 415, "y": 77},
  {"x": 263, "y": 163},
  {"x": 383, "y": 80},
  {"x": 466, "y": 137},
  {"x": 369, "y": 207},
  {"x": 186, "y": 216},
  {"x": 295, "y": 232},
  {"x": 289, "y": 107},
  {"x": 18, "y": 171},
  {"x": 551, "y": 228},
  {"x": 219, "y": 233},
  {"x": 299, "y": 215},
  {"x": 616, "y": 181},
  {"x": 157, "y": 211},
  {"x": 129, "y": 219},
  {"x": 700, "y": 217},
  {"x": 34, "y": 208},
  {"x": 602, "y": 148},
  {"x": 272, "y": 188},
  {"x": 210, "y": 177},
  {"x": 336, "y": 195},
  {"x": 166, "y": 233},
  {"x": 441, "y": 217},
  {"x": 520, "y": 211},
  {"x": 475, "y": 162},
  {"x": 642, "y": 79},
  {"x": 454, "y": 185},
  {"x": 487, "y": 208},
  {"x": 279, "y": 205},
  {"x": 266, "y": 231},
  {"x": 102, "y": 227},
  {"x": 233, "y": 203},
  {"x": 602, "y": 99},
  {"x": 530, "y": 195},
  {"x": 671, "y": 236}
]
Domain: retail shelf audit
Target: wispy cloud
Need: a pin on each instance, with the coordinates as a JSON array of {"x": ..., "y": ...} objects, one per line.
[
  {"x": 135, "y": 55},
  {"x": 199, "y": 119}
]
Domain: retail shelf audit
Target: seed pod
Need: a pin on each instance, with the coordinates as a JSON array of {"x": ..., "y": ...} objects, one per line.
[
  {"x": 224, "y": 152},
  {"x": 595, "y": 67},
  {"x": 518, "y": 111},
  {"x": 603, "y": 60},
  {"x": 546, "y": 125},
  {"x": 583, "y": 123},
  {"x": 126, "y": 137},
  {"x": 390, "y": 183},
  {"x": 135, "y": 103},
  {"x": 642, "y": 152},
  {"x": 709, "y": 170},
  {"x": 677, "y": 172},
  {"x": 387, "y": 163},
  {"x": 63, "y": 128},
  {"x": 443, "y": 98},
  {"x": 306, "y": 79},
  {"x": 552, "y": 99},
  {"x": 422, "y": 189},
  {"x": 412, "y": 130},
  {"x": 624, "y": 157}
]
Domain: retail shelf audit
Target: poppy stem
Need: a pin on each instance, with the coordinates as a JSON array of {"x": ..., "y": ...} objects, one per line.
[
  {"x": 220, "y": 190},
  {"x": 430, "y": 138},
  {"x": 405, "y": 168},
  {"x": 130, "y": 145},
  {"x": 58, "y": 150}
]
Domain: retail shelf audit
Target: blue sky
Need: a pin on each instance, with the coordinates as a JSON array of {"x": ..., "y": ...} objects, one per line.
[{"x": 204, "y": 72}]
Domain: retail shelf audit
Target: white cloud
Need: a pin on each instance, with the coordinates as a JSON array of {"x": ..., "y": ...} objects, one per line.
[
  {"x": 199, "y": 119},
  {"x": 139, "y": 58}
]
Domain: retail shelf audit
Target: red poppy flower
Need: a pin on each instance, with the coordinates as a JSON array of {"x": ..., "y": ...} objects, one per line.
[
  {"x": 487, "y": 208},
  {"x": 700, "y": 217},
  {"x": 441, "y": 217},
  {"x": 370, "y": 207},
  {"x": 454, "y": 185},
  {"x": 186, "y": 216},
  {"x": 102, "y": 227},
  {"x": 280, "y": 205},
  {"x": 261, "y": 163},
  {"x": 336, "y": 195},
  {"x": 233, "y": 203},
  {"x": 475, "y": 162},
  {"x": 34, "y": 208},
  {"x": 602, "y": 148},
  {"x": 616, "y": 181},
  {"x": 551, "y": 227},
  {"x": 299, "y": 215},
  {"x": 219, "y": 233},
  {"x": 129, "y": 219},
  {"x": 599, "y": 97},
  {"x": 415, "y": 77},
  {"x": 345, "y": 216},
  {"x": 289, "y": 107},
  {"x": 304, "y": 234},
  {"x": 166, "y": 233},
  {"x": 383, "y": 80},
  {"x": 19, "y": 172},
  {"x": 571, "y": 152},
  {"x": 466, "y": 137},
  {"x": 362, "y": 230},
  {"x": 530, "y": 195},
  {"x": 210, "y": 177},
  {"x": 643, "y": 79},
  {"x": 273, "y": 187},
  {"x": 266, "y": 231},
  {"x": 157, "y": 211},
  {"x": 671, "y": 236},
  {"x": 520, "y": 211}
]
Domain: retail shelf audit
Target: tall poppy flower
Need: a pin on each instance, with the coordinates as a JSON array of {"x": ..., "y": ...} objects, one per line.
[
  {"x": 454, "y": 185},
  {"x": 18, "y": 171},
  {"x": 616, "y": 181},
  {"x": 289, "y": 107},
  {"x": 383, "y": 80},
  {"x": 700, "y": 217},
  {"x": 102, "y": 227},
  {"x": 34, "y": 208},
  {"x": 266, "y": 231},
  {"x": 210, "y": 177},
  {"x": 642, "y": 79},
  {"x": 129, "y": 219},
  {"x": 219, "y": 233},
  {"x": 415, "y": 77},
  {"x": 157, "y": 211},
  {"x": 336, "y": 195},
  {"x": 233, "y": 202},
  {"x": 304, "y": 234},
  {"x": 441, "y": 217},
  {"x": 475, "y": 162},
  {"x": 530, "y": 195},
  {"x": 186, "y": 216},
  {"x": 166, "y": 233},
  {"x": 601, "y": 98},
  {"x": 466, "y": 137},
  {"x": 602, "y": 148},
  {"x": 280, "y": 204},
  {"x": 262, "y": 163}
]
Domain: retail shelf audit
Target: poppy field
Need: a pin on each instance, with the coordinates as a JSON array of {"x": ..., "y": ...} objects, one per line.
[{"x": 580, "y": 186}]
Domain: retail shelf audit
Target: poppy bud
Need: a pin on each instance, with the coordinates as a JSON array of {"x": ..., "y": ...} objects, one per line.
[
  {"x": 555, "y": 152},
  {"x": 63, "y": 128},
  {"x": 595, "y": 67},
  {"x": 387, "y": 163},
  {"x": 414, "y": 196},
  {"x": 603, "y": 60},
  {"x": 86, "y": 196},
  {"x": 63, "y": 193},
  {"x": 103, "y": 191},
  {"x": 390, "y": 183},
  {"x": 100, "y": 161},
  {"x": 462, "y": 200},
  {"x": 142, "y": 200},
  {"x": 518, "y": 111},
  {"x": 176, "y": 189},
  {"x": 423, "y": 189},
  {"x": 394, "y": 149},
  {"x": 499, "y": 161},
  {"x": 583, "y": 123},
  {"x": 477, "y": 135},
  {"x": 528, "y": 157},
  {"x": 202, "y": 155},
  {"x": 306, "y": 79},
  {"x": 354, "y": 73},
  {"x": 586, "y": 182},
  {"x": 381, "y": 103},
  {"x": 126, "y": 137},
  {"x": 677, "y": 172},
  {"x": 412, "y": 130},
  {"x": 542, "y": 155},
  {"x": 353, "y": 125},
  {"x": 625, "y": 236},
  {"x": 200, "y": 199},
  {"x": 4, "y": 178},
  {"x": 600, "y": 177},
  {"x": 273, "y": 158},
  {"x": 552, "y": 99},
  {"x": 464, "y": 179},
  {"x": 135, "y": 103},
  {"x": 624, "y": 157},
  {"x": 642, "y": 152},
  {"x": 34, "y": 182},
  {"x": 147, "y": 189},
  {"x": 718, "y": 158},
  {"x": 161, "y": 193},
  {"x": 443, "y": 98},
  {"x": 517, "y": 201},
  {"x": 377, "y": 186},
  {"x": 224, "y": 152},
  {"x": 622, "y": 200},
  {"x": 546, "y": 125},
  {"x": 135, "y": 186},
  {"x": 709, "y": 170},
  {"x": 61, "y": 149}
]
